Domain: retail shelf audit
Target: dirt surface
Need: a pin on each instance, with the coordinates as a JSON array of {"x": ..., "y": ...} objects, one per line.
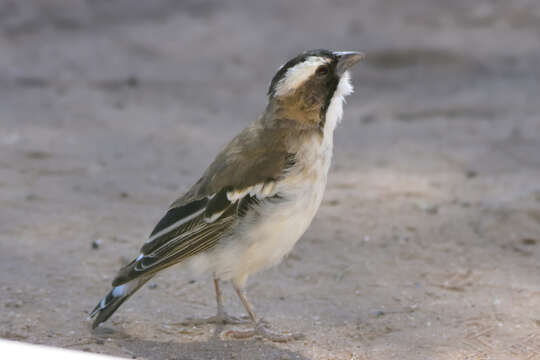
[{"x": 427, "y": 245}]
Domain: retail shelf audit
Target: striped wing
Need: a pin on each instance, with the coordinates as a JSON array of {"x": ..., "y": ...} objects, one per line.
[
  {"x": 241, "y": 177},
  {"x": 193, "y": 228}
]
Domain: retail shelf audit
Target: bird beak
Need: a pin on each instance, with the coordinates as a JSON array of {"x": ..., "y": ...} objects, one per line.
[{"x": 346, "y": 59}]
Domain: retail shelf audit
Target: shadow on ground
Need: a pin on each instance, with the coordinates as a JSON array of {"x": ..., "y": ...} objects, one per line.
[{"x": 214, "y": 348}]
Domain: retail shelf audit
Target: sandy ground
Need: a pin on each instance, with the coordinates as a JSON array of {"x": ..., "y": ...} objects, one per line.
[{"x": 427, "y": 244}]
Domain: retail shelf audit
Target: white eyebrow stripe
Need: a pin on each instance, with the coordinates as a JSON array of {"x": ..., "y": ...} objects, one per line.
[{"x": 299, "y": 73}]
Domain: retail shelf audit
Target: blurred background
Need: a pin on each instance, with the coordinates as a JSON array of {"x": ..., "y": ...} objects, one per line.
[{"x": 428, "y": 240}]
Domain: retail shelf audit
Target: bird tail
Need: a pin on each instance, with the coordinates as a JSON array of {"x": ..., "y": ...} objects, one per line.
[{"x": 116, "y": 297}]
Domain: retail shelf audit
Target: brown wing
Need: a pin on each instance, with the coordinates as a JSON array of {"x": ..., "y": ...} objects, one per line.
[
  {"x": 237, "y": 180},
  {"x": 256, "y": 155}
]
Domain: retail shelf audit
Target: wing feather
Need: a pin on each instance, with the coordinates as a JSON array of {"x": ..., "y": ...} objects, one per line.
[
  {"x": 182, "y": 247},
  {"x": 197, "y": 234},
  {"x": 241, "y": 178}
]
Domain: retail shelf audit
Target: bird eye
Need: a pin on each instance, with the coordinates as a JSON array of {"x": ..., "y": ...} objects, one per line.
[{"x": 322, "y": 70}]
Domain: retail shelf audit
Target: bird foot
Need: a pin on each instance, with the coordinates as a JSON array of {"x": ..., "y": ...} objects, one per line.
[
  {"x": 262, "y": 329},
  {"x": 222, "y": 318}
]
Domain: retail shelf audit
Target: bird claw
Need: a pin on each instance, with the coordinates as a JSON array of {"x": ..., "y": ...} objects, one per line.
[
  {"x": 224, "y": 319},
  {"x": 262, "y": 329}
]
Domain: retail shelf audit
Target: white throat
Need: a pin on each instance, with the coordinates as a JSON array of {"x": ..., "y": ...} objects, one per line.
[{"x": 335, "y": 109}]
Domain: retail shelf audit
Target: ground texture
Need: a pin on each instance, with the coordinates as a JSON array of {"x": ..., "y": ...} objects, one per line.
[{"x": 427, "y": 245}]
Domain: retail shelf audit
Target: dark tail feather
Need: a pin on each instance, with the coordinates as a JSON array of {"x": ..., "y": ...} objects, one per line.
[{"x": 112, "y": 301}]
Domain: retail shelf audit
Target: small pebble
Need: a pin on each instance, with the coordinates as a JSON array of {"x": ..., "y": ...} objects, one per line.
[
  {"x": 31, "y": 197},
  {"x": 132, "y": 81},
  {"x": 431, "y": 209},
  {"x": 368, "y": 118},
  {"x": 471, "y": 174},
  {"x": 529, "y": 241},
  {"x": 14, "y": 304},
  {"x": 96, "y": 244}
]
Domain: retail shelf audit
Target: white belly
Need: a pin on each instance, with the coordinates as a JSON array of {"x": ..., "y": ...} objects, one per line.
[
  {"x": 275, "y": 236},
  {"x": 264, "y": 242}
]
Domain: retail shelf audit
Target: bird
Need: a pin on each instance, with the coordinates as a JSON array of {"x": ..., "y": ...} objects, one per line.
[{"x": 258, "y": 196}]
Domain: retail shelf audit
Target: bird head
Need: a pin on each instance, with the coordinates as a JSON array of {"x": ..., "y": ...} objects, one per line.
[{"x": 304, "y": 87}]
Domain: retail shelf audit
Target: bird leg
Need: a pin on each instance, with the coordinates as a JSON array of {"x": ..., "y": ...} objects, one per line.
[
  {"x": 261, "y": 326},
  {"x": 221, "y": 316}
]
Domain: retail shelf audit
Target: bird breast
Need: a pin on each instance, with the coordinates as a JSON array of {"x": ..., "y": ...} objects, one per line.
[
  {"x": 264, "y": 236},
  {"x": 272, "y": 235}
]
